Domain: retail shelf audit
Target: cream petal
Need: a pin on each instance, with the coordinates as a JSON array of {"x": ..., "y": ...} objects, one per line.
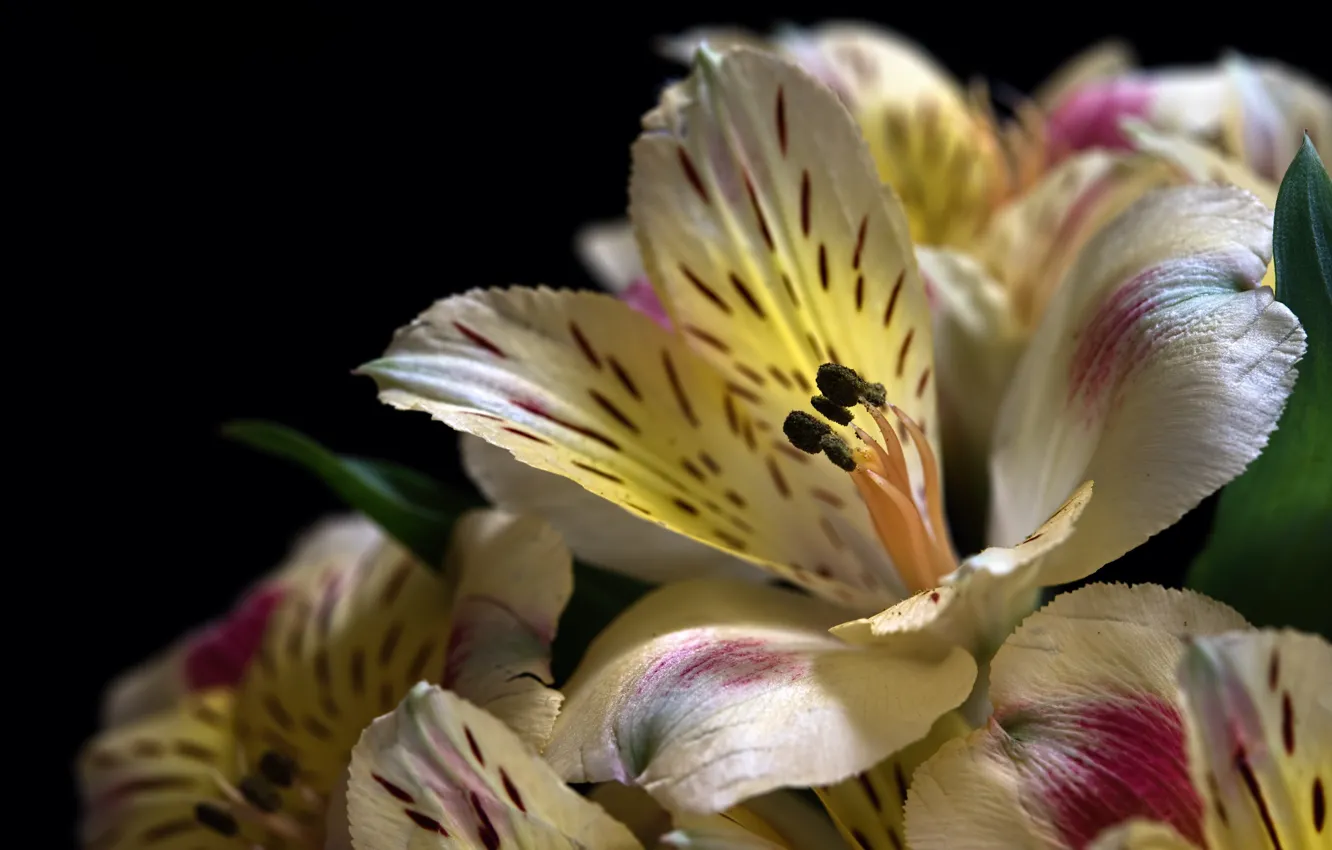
[
  {"x": 703, "y": 694},
  {"x": 608, "y": 250},
  {"x": 1199, "y": 162},
  {"x": 1086, "y": 731},
  {"x": 979, "y": 603},
  {"x": 1271, "y": 107},
  {"x": 438, "y": 767},
  {"x": 977, "y": 342},
  {"x": 514, "y": 576},
  {"x": 577, "y": 384},
  {"x": 1158, "y": 371},
  {"x": 598, "y": 531},
  {"x": 1142, "y": 835},
  {"x": 1258, "y": 708}
]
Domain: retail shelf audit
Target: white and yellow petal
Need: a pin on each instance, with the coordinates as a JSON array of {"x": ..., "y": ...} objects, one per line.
[
  {"x": 438, "y": 772},
  {"x": 598, "y": 531},
  {"x": 1142, "y": 834},
  {"x": 1270, "y": 108},
  {"x": 142, "y": 783},
  {"x": 868, "y": 808},
  {"x": 350, "y": 641},
  {"x": 513, "y": 576},
  {"x": 772, "y": 245},
  {"x": 586, "y": 388},
  {"x": 1086, "y": 733},
  {"x": 1258, "y": 707},
  {"x": 1158, "y": 371},
  {"x": 704, "y": 693}
]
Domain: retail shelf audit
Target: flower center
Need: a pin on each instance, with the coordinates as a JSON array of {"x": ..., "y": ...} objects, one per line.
[
  {"x": 253, "y": 807},
  {"x": 909, "y": 522}
]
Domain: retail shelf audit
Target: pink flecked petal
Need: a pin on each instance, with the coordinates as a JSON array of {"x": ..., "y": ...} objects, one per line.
[
  {"x": 218, "y": 655},
  {"x": 1090, "y": 116},
  {"x": 703, "y": 693},
  {"x": 642, "y": 297},
  {"x": 1097, "y": 764}
]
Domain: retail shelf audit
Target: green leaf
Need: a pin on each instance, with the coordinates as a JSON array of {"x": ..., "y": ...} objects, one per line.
[
  {"x": 412, "y": 508},
  {"x": 1270, "y": 551},
  {"x": 599, "y": 596}
]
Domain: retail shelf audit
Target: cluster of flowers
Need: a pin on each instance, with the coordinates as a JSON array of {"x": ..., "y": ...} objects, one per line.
[{"x": 841, "y": 267}]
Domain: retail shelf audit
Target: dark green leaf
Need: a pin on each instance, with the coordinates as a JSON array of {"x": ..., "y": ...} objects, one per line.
[
  {"x": 1270, "y": 552},
  {"x": 414, "y": 509},
  {"x": 599, "y": 596}
]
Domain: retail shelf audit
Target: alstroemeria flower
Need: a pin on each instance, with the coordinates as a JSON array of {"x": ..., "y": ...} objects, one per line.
[
  {"x": 967, "y": 186},
  {"x": 1159, "y": 369},
  {"x": 774, "y": 250},
  {"x": 1254, "y": 110},
  {"x": 440, "y": 772},
  {"x": 937, "y": 144},
  {"x": 259, "y": 757},
  {"x": 1145, "y": 719}
]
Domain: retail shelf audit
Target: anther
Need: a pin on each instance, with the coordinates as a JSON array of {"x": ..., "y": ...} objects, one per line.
[
  {"x": 217, "y": 819},
  {"x": 837, "y": 414},
  {"x": 839, "y": 384},
  {"x": 874, "y": 394},
  {"x": 838, "y": 452},
  {"x": 279, "y": 769},
  {"x": 260, "y": 793},
  {"x": 804, "y": 431}
]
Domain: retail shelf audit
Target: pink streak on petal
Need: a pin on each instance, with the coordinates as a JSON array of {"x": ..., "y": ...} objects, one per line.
[
  {"x": 1112, "y": 342},
  {"x": 219, "y": 654},
  {"x": 726, "y": 663},
  {"x": 642, "y": 297},
  {"x": 1098, "y": 764},
  {"x": 1089, "y": 117}
]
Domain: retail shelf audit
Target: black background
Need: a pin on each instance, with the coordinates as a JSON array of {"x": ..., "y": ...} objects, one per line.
[{"x": 234, "y": 204}]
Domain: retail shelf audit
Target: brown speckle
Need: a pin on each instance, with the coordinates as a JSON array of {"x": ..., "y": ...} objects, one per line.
[
  {"x": 892, "y": 299},
  {"x": 624, "y": 379},
  {"x": 691, "y": 174},
  {"x": 478, "y": 340}
]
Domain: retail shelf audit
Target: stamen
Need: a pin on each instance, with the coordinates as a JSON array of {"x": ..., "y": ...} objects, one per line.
[
  {"x": 933, "y": 489},
  {"x": 838, "y": 452},
  {"x": 874, "y": 395},
  {"x": 281, "y": 770},
  {"x": 913, "y": 532},
  {"x": 805, "y": 432},
  {"x": 839, "y": 384},
  {"x": 260, "y": 793},
  {"x": 837, "y": 414},
  {"x": 217, "y": 819}
]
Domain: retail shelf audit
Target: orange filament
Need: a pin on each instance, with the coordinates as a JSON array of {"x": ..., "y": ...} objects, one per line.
[{"x": 919, "y": 546}]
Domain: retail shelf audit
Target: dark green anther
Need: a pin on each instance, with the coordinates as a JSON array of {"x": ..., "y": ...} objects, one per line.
[
  {"x": 804, "y": 431},
  {"x": 874, "y": 394},
  {"x": 277, "y": 769},
  {"x": 840, "y": 415},
  {"x": 217, "y": 819},
  {"x": 840, "y": 385},
  {"x": 838, "y": 452},
  {"x": 260, "y": 793}
]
